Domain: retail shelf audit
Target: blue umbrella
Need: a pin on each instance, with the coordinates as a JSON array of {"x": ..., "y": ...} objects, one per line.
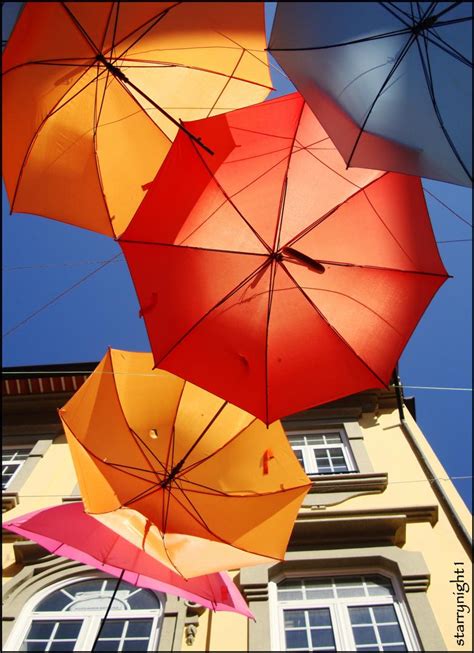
[{"x": 391, "y": 82}]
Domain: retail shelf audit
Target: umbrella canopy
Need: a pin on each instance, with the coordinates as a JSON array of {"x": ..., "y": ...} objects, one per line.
[
  {"x": 279, "y": 280},
  {"x": 391, "y": 82},
  {"x": 93, "y": 93},
  {"x": 68, "y": 531},
  {"x": 194, "y": 481}
]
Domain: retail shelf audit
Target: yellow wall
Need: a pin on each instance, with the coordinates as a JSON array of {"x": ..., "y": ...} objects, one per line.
[{"x": 389, "y": 451}]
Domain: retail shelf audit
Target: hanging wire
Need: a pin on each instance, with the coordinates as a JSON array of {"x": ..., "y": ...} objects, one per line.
[
  {"x": 417, "y": 480},
  {"x": 14, "y": 373},
  {"x": 55, "y": 299},
  {"x": 447, "y": 207}
]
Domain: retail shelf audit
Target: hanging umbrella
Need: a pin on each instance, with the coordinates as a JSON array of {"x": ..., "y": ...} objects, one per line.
[
  {"x": 280, "y": 280},
  {"x": 69, "y": 532},
  {"x": 94, "y": 92},
  {"x": 196, "y": 482},
  {"x": 391, "y": 82}
]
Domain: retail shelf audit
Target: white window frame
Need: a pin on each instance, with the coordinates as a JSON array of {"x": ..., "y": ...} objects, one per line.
[
  {"x": 19, "y": 463},
  {"x": 309, "y": 461},
  {"x": 91, "y": 621},
  {"x": 339, "y": 608}
]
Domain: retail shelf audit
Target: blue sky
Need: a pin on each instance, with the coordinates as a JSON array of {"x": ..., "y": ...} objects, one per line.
[{"x": 43, "y": 258}]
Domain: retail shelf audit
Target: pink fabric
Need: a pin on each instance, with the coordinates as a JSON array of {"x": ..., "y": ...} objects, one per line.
[{"x": 67, "y": 531}]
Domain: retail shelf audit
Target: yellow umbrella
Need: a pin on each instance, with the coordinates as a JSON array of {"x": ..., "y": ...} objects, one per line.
[
  {"x": 191, "y": 479},
  {"x": 94, "y": 92}
]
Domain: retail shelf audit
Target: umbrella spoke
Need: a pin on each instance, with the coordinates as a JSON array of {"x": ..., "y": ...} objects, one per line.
[
  {"x": 448, "y": 48},
  {"x": 396, "y": 64},
  {"x": 332, "y": 327},
  {"x": 229, "y": 199},
  {"x": 213, "y": 308},
  {"x": 429, "y": 82},
  {"x": 80, "y": 27}
]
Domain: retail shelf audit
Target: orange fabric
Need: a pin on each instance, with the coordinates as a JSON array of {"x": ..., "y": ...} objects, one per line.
[
  {"x": 129, "y": 426},
  {"x": 80, "y": 145},
  {"x": 283, "y": 280}
]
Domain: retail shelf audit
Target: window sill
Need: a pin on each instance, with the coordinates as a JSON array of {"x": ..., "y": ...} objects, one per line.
[
  {"x": 331, "y": 489},
  {"x": 9, "y": 500}
]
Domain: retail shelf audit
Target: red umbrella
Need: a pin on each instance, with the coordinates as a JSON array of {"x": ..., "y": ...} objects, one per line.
[{"x": 271, "y": 275}]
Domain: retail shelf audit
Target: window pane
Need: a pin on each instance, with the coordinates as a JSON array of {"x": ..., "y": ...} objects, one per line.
[
  {"x": 294, "y": 619},
  {"x": 315, "y": 439},
  {"x": 322, "y": 637},
  {"x": 296, "y": 440},
  {"x": 135, "y": 645},
  {"x": 321, "y": 456},
  {"x": 296, "y": 639},
  {"x": 390, "y": 634},
  {"x": 350, "y": 587},
  {"x": 385, "y": 614},
  {"x": 53, "y": 603},
  {"x": 139, "y": 628},
  {"x": 364, "y": 635},
  {"x": 33, "y": 646},
  {"x": 68, "y": 630},
  {"x": 40, "y": 630},
  {"x": 379, "y": 586},
  {"x": 321, "y": 589},
  {"x": 332, "y": 438},
  {"x": 112, "y": 628},
  {"x": 299, "y": 455},
  {"x": 63, "y": 645},
  {"x": 319, "y": 617},
  {"x": 107, "y": 645},
  {"x": 360, "y": 615},
  {"x": 394, "y": 647},
  {"x": 143, "y": 600}
]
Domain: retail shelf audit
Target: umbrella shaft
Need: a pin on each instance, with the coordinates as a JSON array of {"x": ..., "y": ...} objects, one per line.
[{"x": 119, "y": 74}]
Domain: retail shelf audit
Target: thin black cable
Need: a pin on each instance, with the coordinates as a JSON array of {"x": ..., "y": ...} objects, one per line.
[
  {"x": 447, "y": 207},
  {"x": 55, "y": 299},
  {"x": 104, "y": 618}
]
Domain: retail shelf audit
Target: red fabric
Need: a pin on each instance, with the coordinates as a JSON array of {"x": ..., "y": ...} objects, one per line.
[{"x": 283, "y": 280}]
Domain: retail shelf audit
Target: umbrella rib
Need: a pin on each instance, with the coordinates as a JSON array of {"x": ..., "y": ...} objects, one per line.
[
  {"x": 365, "y": 39},
  {"x": 236, "y": 494},
  {"x": 51, "y": 112},
  {"x": 331, "y": 327},
  {"x": 200, "y": 437},
  {"x": 229, "y": 199},
  {"x": 97, "y": 114},
  {"x": 398, "y": 61},
  {"x": 276, "y": 240},
  {"x": 80, "y": 27},
  {"x": 312, "y": 153},
  {"x": 448, "y": 48},
  {"x": 229, "y": 77},
  {"x": 191, "y": 467},
  {"x": 191, "y": 247},
  {"x": 429, "y": 82},
  {"x": 134, "y": 435},
  {"x": 219, "y": 303},
  {"x": 321, "y": 219},
  {"x": 153, "y": 22}
]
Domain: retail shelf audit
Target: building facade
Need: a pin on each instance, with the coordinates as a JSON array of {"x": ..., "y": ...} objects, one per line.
[{"x": 379, "y": 558}]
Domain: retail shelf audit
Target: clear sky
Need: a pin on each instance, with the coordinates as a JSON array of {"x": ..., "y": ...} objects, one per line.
[{"x": 43, "y": 258}]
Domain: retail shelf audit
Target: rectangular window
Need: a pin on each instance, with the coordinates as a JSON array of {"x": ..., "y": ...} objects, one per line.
[
  {"x": 322, "y": 452},
  {"x": 352, "y": 613},
  {"x": 12, "y": 460}
]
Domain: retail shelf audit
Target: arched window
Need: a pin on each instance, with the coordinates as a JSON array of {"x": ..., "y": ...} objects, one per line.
[{"x": 67, "y": 617}]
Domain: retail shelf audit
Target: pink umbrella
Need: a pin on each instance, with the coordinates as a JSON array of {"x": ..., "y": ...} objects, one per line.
[{"x": 68, "y": 531}]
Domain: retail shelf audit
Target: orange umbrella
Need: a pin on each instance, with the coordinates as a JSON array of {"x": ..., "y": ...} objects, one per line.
[
  {"x": 94, "y": 92},
  {"x": 192, "y": 480}
]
